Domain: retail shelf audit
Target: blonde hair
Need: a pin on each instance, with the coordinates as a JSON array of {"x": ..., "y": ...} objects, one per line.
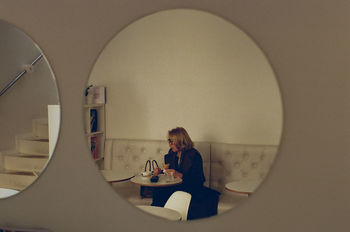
[{"x": 180, "y": 138}]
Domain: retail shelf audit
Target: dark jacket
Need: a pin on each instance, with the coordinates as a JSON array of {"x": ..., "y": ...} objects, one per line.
[
  {"x": 191, "y": 167},
  {"x": 204, "y": 201}
]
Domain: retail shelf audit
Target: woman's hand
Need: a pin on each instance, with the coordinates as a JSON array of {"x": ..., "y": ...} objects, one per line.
[
  {"x": 165, "y": 166},
  {"x": 157, "y": 171},
  {"x": 174, "y": 173}
]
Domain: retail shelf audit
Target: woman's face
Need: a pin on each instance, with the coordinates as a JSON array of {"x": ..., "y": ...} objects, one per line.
[{"x": 173, "y": 146}]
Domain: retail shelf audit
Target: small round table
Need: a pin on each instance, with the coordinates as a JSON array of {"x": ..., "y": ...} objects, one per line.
[
  {"x": 243, "y": 186},
  {"x": 166, "y": 213},
  {"x": 163, "y": 181},
  {"x": 117, "y": 175}
]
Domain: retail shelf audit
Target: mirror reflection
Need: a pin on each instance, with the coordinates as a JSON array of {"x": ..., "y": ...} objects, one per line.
[
  {"x": 30, "y": 111},
  {"x": 170, "y": 79}
]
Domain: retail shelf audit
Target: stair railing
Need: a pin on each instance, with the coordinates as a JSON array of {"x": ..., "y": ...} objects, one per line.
[
  {"x": 27, "y": 69},
  {"x": 35, "y": 173}
]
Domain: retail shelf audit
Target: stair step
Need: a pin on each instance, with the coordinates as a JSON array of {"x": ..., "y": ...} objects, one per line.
[
  {"x": 40, "y": 128},
  {"x": 16, "y": 180},
  {"x": 32, "y": 145},
  {"x": 20, "y": 162}
]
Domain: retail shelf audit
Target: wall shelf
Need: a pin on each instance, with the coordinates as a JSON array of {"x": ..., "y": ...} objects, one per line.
[{"x": 95, "y": 131}]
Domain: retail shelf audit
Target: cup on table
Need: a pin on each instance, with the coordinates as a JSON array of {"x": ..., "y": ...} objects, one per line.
[{"x": 170, "y": 174}]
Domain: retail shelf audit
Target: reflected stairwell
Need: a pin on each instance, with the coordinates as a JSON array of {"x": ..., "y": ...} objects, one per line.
[{"x": 21, "y": 166}]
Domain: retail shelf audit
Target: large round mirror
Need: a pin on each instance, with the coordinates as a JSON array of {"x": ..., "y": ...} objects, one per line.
[
  {"x": 30, "y": 112},
  {"x": 183, "y": 114}
]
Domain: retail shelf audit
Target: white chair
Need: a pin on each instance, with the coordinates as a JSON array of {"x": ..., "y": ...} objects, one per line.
[{"x": 179, "y": 201}]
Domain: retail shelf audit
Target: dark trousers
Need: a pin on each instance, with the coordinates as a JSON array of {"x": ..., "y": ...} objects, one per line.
[
  {"x": 160, "y": 195},
  {"x": 204, "y": 201}
]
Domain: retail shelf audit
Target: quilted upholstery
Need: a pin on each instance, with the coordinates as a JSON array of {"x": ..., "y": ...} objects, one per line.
[
  {"x": 125, "y": 154},
  {"x": 231, "y": 162},
  {"x": 222, "y": 163}
]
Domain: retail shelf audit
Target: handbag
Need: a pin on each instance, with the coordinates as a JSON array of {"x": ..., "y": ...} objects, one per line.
[
  {"x": 151, "y": 165},
  {"x": 154, "y": 162},
  {"x": 148, "y": 164},
  {"x": 145, "y": 191}
]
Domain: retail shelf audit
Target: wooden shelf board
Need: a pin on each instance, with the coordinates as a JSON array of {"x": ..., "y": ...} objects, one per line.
[
  {"x": 99, "y": 159},
  {"x": 93, "y": 105},
  {"x": 95, "y": 133}
]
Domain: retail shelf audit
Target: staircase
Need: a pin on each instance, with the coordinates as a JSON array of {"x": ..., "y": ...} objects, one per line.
[{"x": 20, "y": 167}]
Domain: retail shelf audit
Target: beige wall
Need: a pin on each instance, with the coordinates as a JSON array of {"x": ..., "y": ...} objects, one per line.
[
  {"x": 192, "y": 69},
  {"x": 308, "y": 187},
  {"x": 29, "y": 97}
]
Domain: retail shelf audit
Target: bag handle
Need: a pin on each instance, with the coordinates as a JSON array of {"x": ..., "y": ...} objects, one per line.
[
  {"x": 154, "y": 162},
  {"x": 148, "y": 162}
]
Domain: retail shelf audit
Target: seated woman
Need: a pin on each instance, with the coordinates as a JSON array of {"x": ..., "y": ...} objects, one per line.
[
  {"x": 183, "y": 161},
  {"x": 186, "y": 162}
]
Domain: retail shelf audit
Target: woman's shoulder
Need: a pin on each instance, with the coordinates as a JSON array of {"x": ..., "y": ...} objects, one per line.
[
  {"x": 192, "y": 152},
  {"x": 170, "y": 153}
]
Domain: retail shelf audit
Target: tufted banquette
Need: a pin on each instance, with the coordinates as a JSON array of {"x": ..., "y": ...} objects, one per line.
[{"x": 222, "y": 163}]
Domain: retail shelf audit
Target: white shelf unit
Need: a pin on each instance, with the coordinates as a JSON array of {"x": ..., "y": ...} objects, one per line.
[{"x": 100, "y": 133}]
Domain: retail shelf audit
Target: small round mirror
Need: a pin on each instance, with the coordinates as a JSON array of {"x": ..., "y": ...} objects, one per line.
[
  {"x": 30, "y": 111},
  {"x": 187, "y": 89}
]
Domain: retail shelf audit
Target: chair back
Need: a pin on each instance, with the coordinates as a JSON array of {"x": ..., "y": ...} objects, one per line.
[{"x": 179, "y": 201}]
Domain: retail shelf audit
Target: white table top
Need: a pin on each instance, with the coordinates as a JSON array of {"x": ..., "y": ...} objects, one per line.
[
  {"x": 117, "y": 175},
  {"x": 162, "y": 182},
  {"x": 243, "y": 186},
  {"x": 166, "y": 213}
]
